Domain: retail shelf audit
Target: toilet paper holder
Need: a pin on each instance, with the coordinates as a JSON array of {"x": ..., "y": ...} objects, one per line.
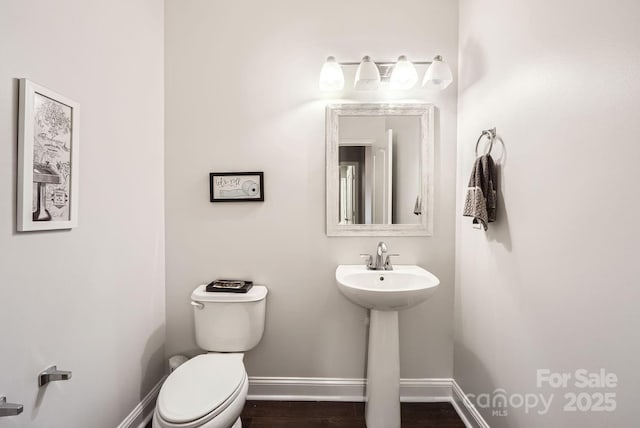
[
  {"x": 9, "y": 409},
  {"x": 51, "y": 374}
]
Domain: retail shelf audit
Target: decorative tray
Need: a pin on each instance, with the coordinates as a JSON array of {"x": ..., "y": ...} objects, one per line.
[{"x": 229, "y": 286}]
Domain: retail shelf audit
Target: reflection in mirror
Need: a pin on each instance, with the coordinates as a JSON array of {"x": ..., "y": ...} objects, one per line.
[
  {"x": 379, "y": 169},
  {"x": 351, "y": 202},
  {"x": 382, "y": 185}
]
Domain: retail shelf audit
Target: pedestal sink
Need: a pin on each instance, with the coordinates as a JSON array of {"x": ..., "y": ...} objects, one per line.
[{"x": 384, "y": 293}]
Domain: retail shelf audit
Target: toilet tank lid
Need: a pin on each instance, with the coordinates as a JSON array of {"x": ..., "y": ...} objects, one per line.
[{"x": 256, "y": 293}]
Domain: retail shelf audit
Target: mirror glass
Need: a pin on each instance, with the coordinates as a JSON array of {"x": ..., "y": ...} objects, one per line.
[{"x": 378, "y": 169}]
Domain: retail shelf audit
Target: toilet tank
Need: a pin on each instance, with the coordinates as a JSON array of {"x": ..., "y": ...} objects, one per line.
[{"x": 229, "y": 322}]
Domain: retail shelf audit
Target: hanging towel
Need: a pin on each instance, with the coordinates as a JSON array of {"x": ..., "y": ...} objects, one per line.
[{"x": 480, "y": 202}]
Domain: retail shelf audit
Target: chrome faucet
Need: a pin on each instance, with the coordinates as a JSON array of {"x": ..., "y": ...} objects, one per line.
[
  {"x": 382, "y": 260},
  {"x": 381, "y": 251}
]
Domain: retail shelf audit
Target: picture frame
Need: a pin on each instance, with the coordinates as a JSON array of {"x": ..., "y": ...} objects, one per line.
[
  {"x": 48, "y": 159},
  {"x": 236, "y": 186}
]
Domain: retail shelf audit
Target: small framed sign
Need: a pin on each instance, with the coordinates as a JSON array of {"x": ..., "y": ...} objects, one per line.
[{"x": 236, "y": 186}]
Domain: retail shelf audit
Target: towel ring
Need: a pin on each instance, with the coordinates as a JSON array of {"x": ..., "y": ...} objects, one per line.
[{"x": 489, "y": 133}]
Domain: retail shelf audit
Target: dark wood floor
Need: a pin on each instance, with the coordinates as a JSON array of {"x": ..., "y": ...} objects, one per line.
[
  {"x": 323, "y": 414},
  {"x": 316, "y": 414}
]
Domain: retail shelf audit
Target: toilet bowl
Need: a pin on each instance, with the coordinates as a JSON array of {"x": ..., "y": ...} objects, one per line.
[{"x": 210, "y": 390}]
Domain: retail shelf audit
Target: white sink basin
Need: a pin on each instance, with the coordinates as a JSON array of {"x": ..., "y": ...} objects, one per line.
[{"x": 386, "y": 290}]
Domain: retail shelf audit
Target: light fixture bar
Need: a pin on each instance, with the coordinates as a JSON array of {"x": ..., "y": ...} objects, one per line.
[
  {"x": 401, "y": 74},
  {"x": 386, "y": 67},
  {"x": 387, "y": 63}
]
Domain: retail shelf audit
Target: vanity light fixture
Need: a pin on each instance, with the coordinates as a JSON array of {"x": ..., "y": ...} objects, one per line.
[
  {"x": 331, "y": 76},
  {"x": 401, "y": 74},
  {"x": 404, "y": 75},
  {"x": 438, "y": 76},
  {"x": 368, "y": 75}
]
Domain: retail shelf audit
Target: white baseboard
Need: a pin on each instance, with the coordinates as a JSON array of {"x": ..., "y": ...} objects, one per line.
[
  {"x": 425, "y": 390},
  {"x": 342, "y": 389},
  {"x": 143, "y": 412},
  {"x": 305, "y": 389},
  {"x": 465, "y": 408}
]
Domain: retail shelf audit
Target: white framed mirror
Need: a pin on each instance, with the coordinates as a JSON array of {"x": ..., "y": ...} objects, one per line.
[{"x": 379, "y": 169}]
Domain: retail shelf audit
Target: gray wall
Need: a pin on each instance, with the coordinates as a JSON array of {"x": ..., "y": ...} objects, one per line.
[
  {"x": 242, "y": 94},
  {"x": 90, "y": 299},
  {"x": 554, "y": 283}
]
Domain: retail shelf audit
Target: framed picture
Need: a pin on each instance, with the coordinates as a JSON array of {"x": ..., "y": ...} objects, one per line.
[
  {"x": 236, "y": 186},
  {"x": 48, "y": 141}
]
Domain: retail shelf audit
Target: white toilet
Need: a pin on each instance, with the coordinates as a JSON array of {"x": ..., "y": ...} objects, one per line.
[{"x": 209, "y": 390}]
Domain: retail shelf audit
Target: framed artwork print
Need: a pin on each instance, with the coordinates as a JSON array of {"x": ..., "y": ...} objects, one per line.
[
  {"x": 48, "y": 141},
  {"x": 236, "y": 186}
]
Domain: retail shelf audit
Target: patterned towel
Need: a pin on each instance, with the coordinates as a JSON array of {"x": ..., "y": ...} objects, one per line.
[{"x": 480, "y": 202}]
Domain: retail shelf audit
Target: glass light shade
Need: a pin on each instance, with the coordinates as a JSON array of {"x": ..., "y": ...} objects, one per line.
[
  {"x": 438, "y": 75},
  {"x": 331, "y": 76},
  {"x": 367, "y": 75},
  {"x": 404, "y": 75}
]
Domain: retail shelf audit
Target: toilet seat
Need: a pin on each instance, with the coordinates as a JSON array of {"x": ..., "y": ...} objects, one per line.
[{"x": 201, "y": 389}]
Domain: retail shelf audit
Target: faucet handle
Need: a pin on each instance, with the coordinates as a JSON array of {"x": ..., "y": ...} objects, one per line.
[
  {"x": 369, "y": 259},
  {"x": 387, "y": 261}
]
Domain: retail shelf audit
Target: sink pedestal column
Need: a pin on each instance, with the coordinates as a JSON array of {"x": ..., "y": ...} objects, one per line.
[{"x": 382, "y": 408}]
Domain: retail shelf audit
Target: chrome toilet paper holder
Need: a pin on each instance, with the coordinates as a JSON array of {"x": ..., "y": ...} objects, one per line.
[
  {"x": 51, "y": 374},
  {"x": 9, "y": 409}
]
